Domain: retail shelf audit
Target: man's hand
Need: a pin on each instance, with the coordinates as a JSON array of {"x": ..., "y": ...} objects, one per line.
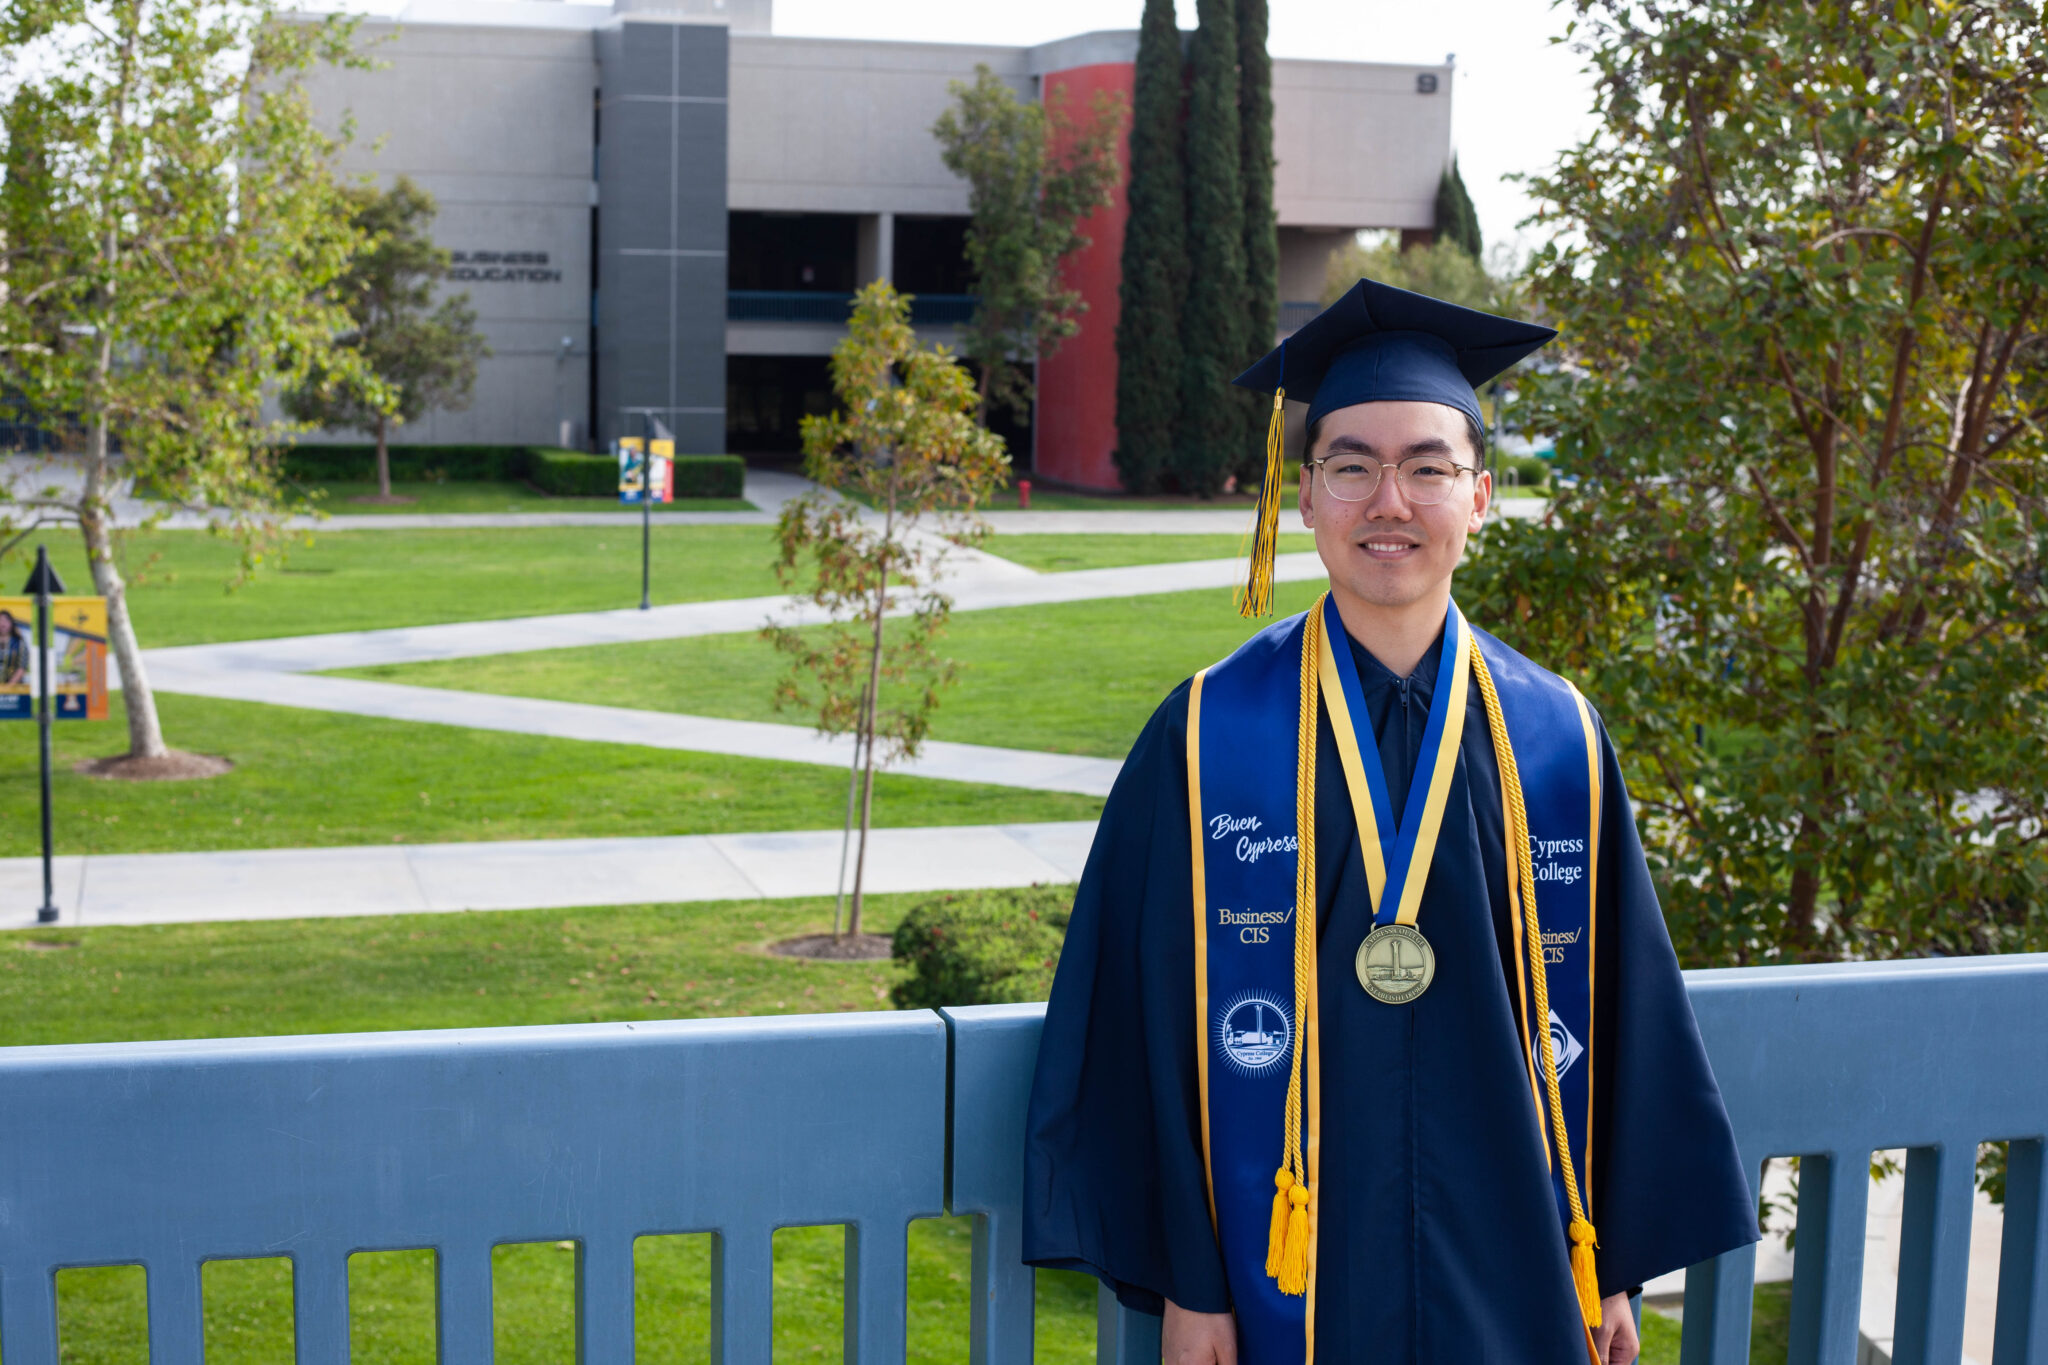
[
  {"x": 1614, "y": 1340},
  {"x": 1199, "y": 1338}
]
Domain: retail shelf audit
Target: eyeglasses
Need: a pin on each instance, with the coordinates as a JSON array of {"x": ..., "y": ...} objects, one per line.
[{"x": 1425, "y": 480}]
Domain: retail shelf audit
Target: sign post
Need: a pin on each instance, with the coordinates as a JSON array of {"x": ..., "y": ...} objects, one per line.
[
  {"x": 646, "y": 476},
  {"x": 76, "y": 629}
]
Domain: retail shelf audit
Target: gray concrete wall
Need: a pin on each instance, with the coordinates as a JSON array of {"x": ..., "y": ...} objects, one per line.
[
  {"x": 495, "y": 123},
  {"x": 829, "y": 125},
  {"x": 661, "y": 229},
  {"x": 1358, "y": 145}
]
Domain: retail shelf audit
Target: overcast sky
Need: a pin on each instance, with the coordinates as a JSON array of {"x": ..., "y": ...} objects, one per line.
[{"x": 1519, "y": 99}]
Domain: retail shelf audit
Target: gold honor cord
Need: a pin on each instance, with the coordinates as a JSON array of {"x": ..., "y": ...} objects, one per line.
[
  {"x": 1584, "y": 1276},
  {"x": 1255, "y": 598},
  {"x": 1287, "y": 1239}
]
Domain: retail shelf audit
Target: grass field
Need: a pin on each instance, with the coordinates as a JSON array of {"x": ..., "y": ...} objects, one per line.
[
  {"x": 368, "y": 580},
  {"x": 315, "y": 779},
  {"x": 436, "y": 499},
  {"x": 1064, "y": 553},
  {"x": 1080, "y": 677}
]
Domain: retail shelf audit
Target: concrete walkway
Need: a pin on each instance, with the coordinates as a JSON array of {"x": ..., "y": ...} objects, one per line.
[
  {"x": 398, "y": 879},
  {"x": 277, "y": 672}
]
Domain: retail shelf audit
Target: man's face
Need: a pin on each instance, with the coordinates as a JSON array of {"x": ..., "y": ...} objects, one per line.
[{"x": 1388, "y": 550}]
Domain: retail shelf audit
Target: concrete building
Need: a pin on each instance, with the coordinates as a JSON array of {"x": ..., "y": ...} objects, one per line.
[{"x": 662, "y": 211}]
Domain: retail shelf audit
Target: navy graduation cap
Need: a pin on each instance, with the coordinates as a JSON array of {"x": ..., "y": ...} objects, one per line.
[{"x": 1376, "y": 344}]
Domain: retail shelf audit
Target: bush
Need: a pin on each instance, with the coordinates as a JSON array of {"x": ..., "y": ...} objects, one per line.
[
  {"x": 709, "y": 476},
  {"x": 1530, "y": 471},
  {"x": 410, "y": 464},
  {"x": 573, "y": 474},
  {"x": 981, "y": 947}
]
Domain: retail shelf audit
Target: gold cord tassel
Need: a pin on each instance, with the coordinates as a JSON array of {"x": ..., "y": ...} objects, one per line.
[
  {"x": 1276, "y": 1235},
  {"x": 1287, "y": 1238},
  {"x": 1255, "y": 598},
  {"x": 1585, "y": 1275}
]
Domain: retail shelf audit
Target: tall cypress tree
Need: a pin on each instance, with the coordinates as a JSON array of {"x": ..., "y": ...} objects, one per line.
[
  {"x": 1261, "y": 236},
  {"x": 1155, "y": 262},
  {"x": 1214, "y": 334},
  {"x": 1456, "y": 220}
]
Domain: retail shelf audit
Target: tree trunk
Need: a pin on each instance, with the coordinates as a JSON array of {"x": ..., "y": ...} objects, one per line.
[
  {"x": 867, "y": 793},
  {"x": 383, "y": 458},
  {"x": 145, "y": 731}
]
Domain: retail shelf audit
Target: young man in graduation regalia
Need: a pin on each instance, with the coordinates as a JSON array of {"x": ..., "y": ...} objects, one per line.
[{"x": 1368, "y": 1044}]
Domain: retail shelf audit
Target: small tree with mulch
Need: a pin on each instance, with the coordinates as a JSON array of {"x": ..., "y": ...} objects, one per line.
[{"x": 906, "y": 444}]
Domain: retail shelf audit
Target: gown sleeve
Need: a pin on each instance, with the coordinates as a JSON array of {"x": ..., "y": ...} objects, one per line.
[
  {"x": 1114, "y": 1177},
  {"x": 1667, "y": 1181}
]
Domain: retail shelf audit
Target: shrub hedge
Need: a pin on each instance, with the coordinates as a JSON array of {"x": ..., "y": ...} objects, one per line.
[
  {"x": 1531, "y": 471},
  {"x": 981, "y": 947},
  {"x": 565, "y": 473}
]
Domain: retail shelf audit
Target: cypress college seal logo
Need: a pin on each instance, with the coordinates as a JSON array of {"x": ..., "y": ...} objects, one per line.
[{"x": 1252, "y": 1033}]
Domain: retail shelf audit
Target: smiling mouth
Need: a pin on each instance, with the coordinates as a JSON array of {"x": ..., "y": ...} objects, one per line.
[{"x": 1381, "y": 547}]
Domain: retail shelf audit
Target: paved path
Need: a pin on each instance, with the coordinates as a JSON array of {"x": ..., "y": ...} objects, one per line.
[
  {"x": 396, "y": 879},
  {"x": 279, "y": 672}
]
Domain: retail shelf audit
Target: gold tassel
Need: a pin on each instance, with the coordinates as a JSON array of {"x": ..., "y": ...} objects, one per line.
[
  {"x": 1583, "y": 1273},
  {"x": 1276, "y": 1236},
  {"x": 1255, "y": 598},
  {"x": 1294, "y": 1260}
]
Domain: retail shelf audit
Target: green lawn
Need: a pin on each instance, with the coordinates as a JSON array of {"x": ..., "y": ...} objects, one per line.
[
  {"x": 367, "y": 580},
  {"x": 1080, "y": 677},
  {"x": 1064, "y": 553},
  {"x": 435, "y": 499},
  {"x": 313, "y": 778}
]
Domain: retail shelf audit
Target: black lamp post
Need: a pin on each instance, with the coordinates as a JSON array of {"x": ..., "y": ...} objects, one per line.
[{"x": 43, "y": 584}]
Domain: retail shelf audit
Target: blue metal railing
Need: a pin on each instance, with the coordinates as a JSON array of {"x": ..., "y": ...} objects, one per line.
[
  {"x": 789, "y": 305},
  {"x": 171, "y": 1154}
]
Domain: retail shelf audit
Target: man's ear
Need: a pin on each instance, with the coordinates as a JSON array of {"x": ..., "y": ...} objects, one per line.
[
  {"x": 1307, "y": 498},
  {"x": 1482, "y": 498}
]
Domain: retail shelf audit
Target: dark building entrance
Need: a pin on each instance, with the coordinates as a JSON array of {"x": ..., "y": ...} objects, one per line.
[
  {"x": 797, "y": 252},
  {"x": 767, "y": 398}
]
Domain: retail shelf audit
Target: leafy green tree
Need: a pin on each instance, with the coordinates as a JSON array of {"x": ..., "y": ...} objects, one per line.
[
  {"x": 1261, "y": 233},
  {"x": 906, "y": 443},
  {"x": 1215, "y": 337},
  {"x": 1457, "y": 222},
  {"x": 1443, "y": 270},
  {"x": 1155, "y": 262},
  {"x": 1034, "y": 172},
  {"x": 1801, "y": 274},
  {"x": 171, "y": 227},
  {"x": 415, "y": 355}
]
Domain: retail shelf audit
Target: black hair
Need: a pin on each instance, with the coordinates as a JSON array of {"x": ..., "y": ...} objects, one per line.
[{"x": 1473, "y": 431}]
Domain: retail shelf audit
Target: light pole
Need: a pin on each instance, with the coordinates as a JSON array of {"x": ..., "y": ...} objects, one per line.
[{"x": 44, "y": 583}]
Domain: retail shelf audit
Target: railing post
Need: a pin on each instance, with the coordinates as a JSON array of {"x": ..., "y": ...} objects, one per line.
[
  {"x": 177, "y": 1332},
  {"x": 2021, "y": 1336},
  {"x": 742, "y": 1295},
  {"x": 28, "y": 1314},
  {"x": 877, "y": 1292},
  {"x": 1934, "y": 1254},
  {"x": 319, "y": 1308},
  {"x": 463, "y": 1325},
  {"x": 1123, "y": 1336},
  {"x": 604, "y": 1299},
  {"x": 1719, "y": 1295},
  {"x": 1827, "y": 1265}
]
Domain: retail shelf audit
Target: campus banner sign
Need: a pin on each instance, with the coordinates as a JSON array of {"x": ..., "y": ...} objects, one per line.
[
  {"x": 634, "y": 452},
  {"x": 78, "y": 657}
]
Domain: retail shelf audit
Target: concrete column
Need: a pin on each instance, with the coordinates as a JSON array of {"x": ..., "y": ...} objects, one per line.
[{"x": 876, "y": 250}]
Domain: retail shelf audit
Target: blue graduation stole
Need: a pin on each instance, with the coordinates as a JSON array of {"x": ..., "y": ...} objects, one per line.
[{"x": 1251, "y": 780}]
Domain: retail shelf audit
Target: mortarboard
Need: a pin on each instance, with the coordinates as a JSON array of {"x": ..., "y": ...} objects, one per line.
[{"x": 1376, "y": 344}]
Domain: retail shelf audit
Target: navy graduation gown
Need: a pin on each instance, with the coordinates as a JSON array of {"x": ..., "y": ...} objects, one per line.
[{"x": 1438, "y": 1238}]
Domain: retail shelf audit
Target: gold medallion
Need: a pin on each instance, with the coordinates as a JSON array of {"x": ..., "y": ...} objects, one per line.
[{"x": 1395, "y": 964}]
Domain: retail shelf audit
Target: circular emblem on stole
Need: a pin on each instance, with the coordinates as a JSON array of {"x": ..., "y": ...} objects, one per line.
[
  {"x": 1395, "y": 964},
  {"x": 1253, "y": 1033}
]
